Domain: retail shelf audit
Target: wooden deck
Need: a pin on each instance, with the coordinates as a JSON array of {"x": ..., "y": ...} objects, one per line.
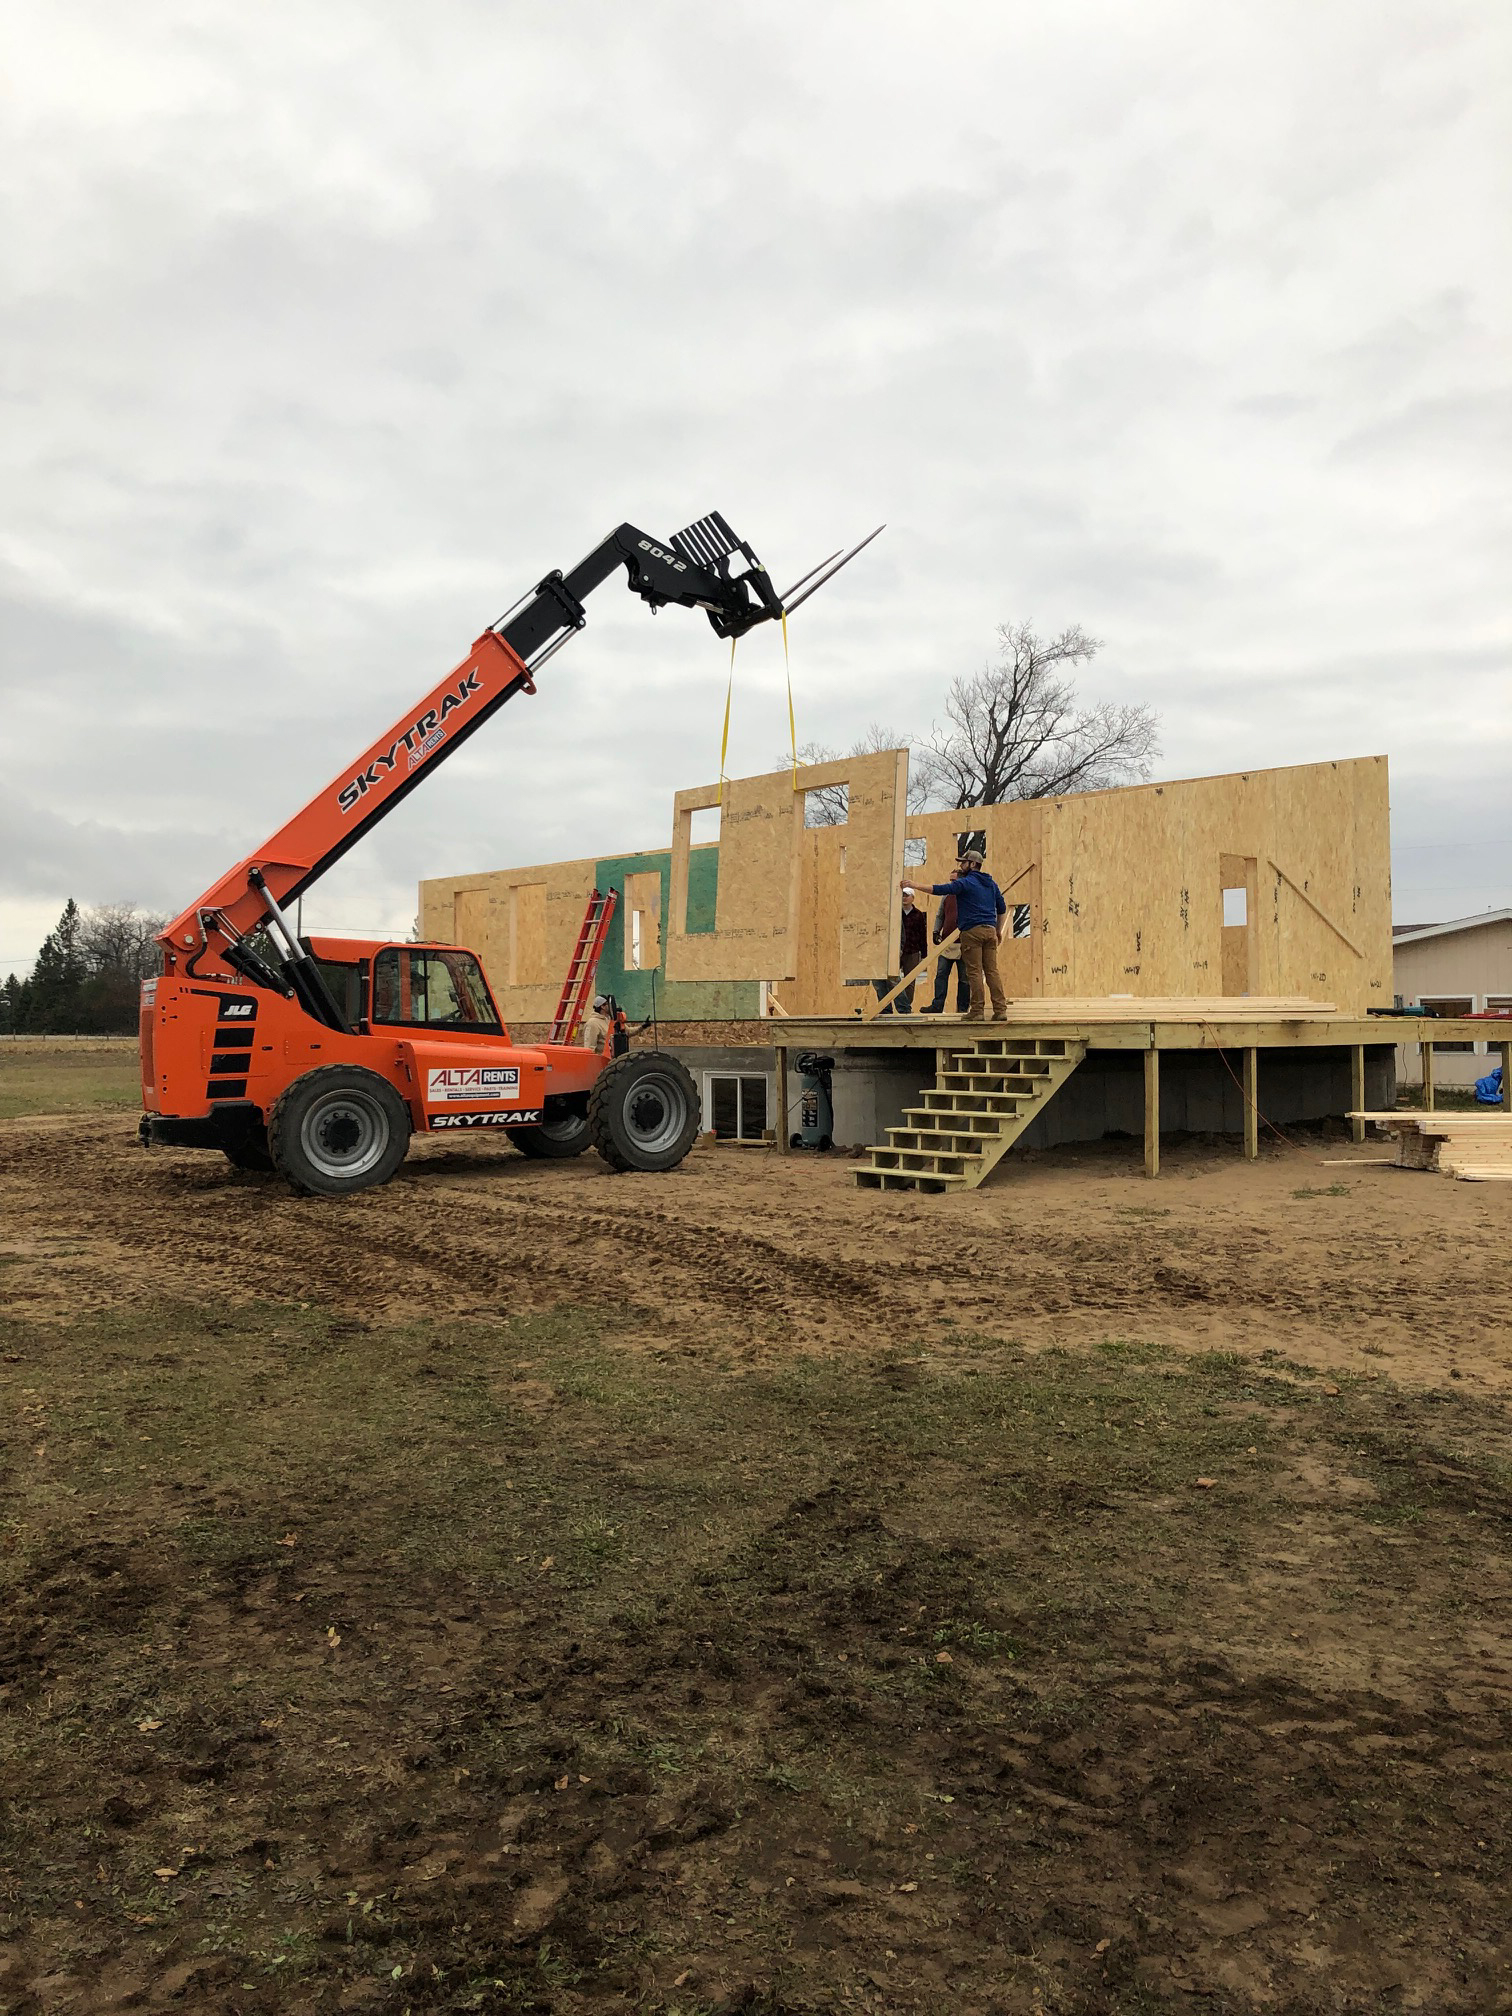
[{"x": 1151, "y": 1027}]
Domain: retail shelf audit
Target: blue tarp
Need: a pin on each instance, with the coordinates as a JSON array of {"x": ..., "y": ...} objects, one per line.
[{"x": 1488, "y": 1089}]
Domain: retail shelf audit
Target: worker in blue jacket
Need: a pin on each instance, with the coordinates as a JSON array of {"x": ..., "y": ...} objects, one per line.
[{"x": 981, "y": 916}]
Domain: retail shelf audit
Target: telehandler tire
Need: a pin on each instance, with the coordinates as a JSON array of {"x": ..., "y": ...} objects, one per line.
[
  {"x": 338, "y": 1129},
  {"x": 643, "y": 1111},
  {"x": 559, "y": 1135},
  {"x": 249, "y": 1151}
]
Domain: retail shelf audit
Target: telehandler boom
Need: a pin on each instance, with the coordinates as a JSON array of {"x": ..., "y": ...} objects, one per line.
[{"x": 319, "y": 1057}]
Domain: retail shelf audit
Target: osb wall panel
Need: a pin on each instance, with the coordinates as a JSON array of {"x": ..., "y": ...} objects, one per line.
[
  {"x": 762, "y": 853},
  {"x": 523, "y": 923},
  {"x": 1132, "y": 887},
  {"x": 1124, "y": 888}
]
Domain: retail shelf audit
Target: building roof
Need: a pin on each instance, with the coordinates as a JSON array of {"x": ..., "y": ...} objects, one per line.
[{"x": 1412, "y": 934}]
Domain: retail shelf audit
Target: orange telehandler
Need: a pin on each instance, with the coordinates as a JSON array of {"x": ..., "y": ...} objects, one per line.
[{"x": 319, "y": 1057}]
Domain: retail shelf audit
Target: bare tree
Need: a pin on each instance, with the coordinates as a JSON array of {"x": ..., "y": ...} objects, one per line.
[
  {"x": 828, "y": 804},
  {"x": 118, "y": 941},
  {"x": 1016, "y": 729}
]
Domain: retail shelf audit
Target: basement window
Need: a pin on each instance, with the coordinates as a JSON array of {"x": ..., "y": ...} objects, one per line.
[{"x": 735, "y": 1107}]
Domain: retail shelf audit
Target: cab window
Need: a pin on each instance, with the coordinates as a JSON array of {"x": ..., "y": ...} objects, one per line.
[
  {"x": 428, "y": 989},
  {"x": 345, "y": 983}
]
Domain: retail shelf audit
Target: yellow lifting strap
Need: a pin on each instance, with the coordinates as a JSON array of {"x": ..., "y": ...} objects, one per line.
[
  {"x": 724, "y": 739},
  {"x": 792, "y": 724}
]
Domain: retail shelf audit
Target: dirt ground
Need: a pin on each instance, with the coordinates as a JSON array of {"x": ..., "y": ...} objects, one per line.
[{"x": 525, "y": 1588}]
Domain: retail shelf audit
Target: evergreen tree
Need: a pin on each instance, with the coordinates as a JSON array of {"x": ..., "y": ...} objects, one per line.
[
  {"x": 56, "y": 1006},
  {"x": 13, "y": 1003}
]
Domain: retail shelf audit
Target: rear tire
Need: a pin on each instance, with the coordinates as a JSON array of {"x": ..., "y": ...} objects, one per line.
[
  {"x": 338, "y": 1129},
  {"x": 643, "y": 1111},
  {"x": 561, "y": 1134}
]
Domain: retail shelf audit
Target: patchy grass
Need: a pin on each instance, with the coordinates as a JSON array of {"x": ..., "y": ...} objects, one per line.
[
  {"x": 521, "y": 1666},
  {"x": 1446, "y": 1098},
  {"x": 42, "y": 1075}
]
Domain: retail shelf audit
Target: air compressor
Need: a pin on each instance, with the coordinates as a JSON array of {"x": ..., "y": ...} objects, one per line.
[{"x": 816, "y": 1103}]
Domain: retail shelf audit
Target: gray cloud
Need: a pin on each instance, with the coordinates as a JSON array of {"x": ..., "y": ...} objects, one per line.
[{"x": 329, "y": 331}]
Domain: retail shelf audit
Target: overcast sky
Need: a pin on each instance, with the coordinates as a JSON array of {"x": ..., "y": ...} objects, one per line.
[{"x": 329, "y": 329}]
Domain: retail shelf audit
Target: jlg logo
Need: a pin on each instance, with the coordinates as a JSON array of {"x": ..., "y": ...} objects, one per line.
[
  {"x": 419, "y": 739},
  {"x": 661, "y": 553},
  {"x": 236, "y": 1008}
]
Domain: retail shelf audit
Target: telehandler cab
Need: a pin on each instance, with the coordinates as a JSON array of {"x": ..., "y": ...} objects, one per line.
[{"x": 319, "y": 1057}]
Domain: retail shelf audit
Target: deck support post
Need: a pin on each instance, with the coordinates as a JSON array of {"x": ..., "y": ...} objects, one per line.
[
  {"x": 782, "y": 1105},
  {"x": 1506, "y": 1064},
  {"x": 1425, "y": 1049},
  {"x": 1357, "y": 1092},
  {"x": 1252, "y": 1105},
  {"x": 1152, "y": 1110}
]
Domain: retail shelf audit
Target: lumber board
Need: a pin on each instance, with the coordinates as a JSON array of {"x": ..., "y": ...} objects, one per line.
[
  {"x": 1300, "y": 889},
  {"x": 1493, "y": 1124},
  {"x": 1152, "y": 1112}
]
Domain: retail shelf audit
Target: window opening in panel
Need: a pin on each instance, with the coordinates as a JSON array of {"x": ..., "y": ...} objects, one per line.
[{"x": 827, "y": 805}]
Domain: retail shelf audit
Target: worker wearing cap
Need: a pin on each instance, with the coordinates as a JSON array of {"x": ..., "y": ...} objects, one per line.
[
  {"x": 596, "y": 1025},
  {"x": 981, "y": 916}
]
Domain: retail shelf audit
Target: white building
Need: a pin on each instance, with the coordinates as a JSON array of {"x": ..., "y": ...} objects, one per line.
[{"x": 1463, "y": 967}]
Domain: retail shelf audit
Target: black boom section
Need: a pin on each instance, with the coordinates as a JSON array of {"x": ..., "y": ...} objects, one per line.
[{"x": 693, "y": 569}]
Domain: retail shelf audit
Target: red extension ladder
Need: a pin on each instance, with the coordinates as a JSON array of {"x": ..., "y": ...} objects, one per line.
[{"x": 577, "y": 989}]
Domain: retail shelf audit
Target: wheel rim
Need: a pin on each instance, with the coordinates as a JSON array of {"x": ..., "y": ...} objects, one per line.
[
  {"x": 656, "y": 1111},
  {"x": 567, "y": 1128},
  {"x": 344, "y": 1134}
]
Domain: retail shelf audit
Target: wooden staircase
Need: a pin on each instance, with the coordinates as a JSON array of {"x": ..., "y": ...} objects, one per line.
[{"x": 978, "y": 1106}]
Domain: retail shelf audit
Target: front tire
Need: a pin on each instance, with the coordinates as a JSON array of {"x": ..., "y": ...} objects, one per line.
[
  {"x": 338, "y": 1129},
  {"x": 643, "y": 1111}
]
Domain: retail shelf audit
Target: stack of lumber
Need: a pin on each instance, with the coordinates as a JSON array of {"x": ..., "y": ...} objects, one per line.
[{"x": 1474, "y": 1146}]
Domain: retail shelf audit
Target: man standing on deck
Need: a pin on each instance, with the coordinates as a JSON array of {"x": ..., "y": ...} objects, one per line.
[
  {"x": 981, "y": 915},
  {"x": 948, "y": 966},
  {"x": 913, "y": 947}
]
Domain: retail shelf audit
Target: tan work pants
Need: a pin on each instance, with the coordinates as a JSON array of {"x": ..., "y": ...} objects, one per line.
[{"x": 979, "y": 950}]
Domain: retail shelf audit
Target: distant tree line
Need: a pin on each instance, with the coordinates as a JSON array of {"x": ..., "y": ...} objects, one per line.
[{"x": 88, "y": 974}]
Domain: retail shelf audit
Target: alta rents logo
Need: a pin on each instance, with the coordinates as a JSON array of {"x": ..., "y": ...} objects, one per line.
[
  {"x": 474, "y": 1085},
  {"x": 418, "y": 740}
]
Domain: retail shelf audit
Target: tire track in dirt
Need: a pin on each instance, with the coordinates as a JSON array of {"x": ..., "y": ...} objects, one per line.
[{"x": 743, "y": 1248}]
